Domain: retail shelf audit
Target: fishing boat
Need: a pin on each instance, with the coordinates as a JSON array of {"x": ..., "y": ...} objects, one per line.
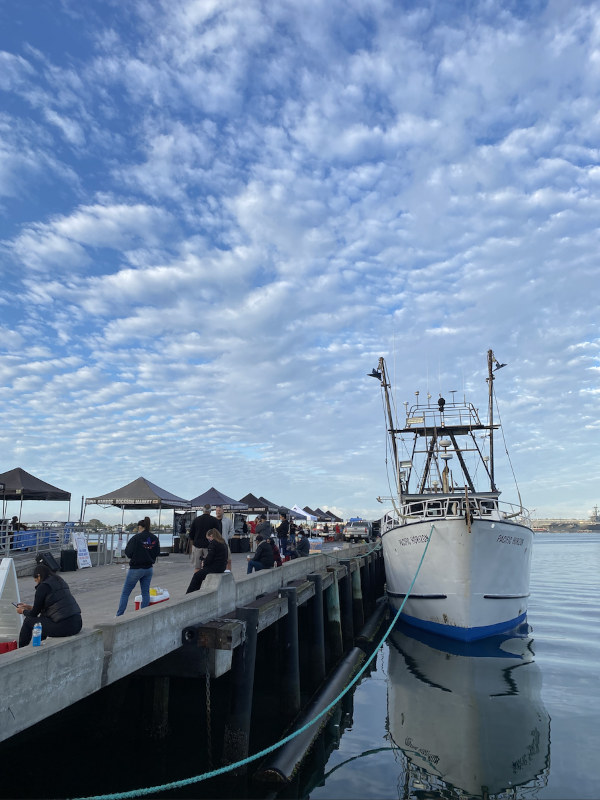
[{"x": 474, "y": 579}]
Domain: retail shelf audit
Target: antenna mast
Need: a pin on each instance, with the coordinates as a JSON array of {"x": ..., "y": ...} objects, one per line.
[
  {"x": 386, "y": 387},
  {"x": 490, "y": 380}
]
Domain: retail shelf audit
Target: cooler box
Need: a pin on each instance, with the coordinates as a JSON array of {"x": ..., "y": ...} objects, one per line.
[
  {"x": 157, "y": 595},
  {"x": 7, "y": 644},
  {"x": 235, "y": 544}
]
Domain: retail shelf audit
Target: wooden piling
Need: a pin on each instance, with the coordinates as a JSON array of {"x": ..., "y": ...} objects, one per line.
[
  {"x": 334, "y": 622},
  {"x": 237, "y": 729},
  {"x": 346, "y": 606},
  {"x": 290, "y": 677},
  {"x": 317, "y": 642},
  {"x": 358, "y": 612},
  {"x": 159, "y": 725}
]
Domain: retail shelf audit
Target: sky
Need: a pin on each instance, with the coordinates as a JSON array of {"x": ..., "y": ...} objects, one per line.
[{"x": 216, "y": 215}]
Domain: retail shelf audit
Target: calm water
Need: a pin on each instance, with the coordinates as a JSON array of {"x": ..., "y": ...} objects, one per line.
[
  {"x": 429, "y": 723},
  {"x": 519, "y": 716}
]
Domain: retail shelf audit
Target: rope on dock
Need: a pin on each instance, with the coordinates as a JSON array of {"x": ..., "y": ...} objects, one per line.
[{"x": 230, "y": 767}]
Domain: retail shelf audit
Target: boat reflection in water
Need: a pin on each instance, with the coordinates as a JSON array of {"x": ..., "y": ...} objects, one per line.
[{"x": 468, "y": 718}]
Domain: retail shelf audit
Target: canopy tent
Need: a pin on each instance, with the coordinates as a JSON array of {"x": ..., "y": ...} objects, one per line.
[
  {"x": 310, "y": 511},
  {"x": 323, "y": 516},
  {"x": 270, "y": 507},
  {"x": 140, "y": 493},
  {"x": 21, "y": 485},
  {"x": 291, "y": 513},
  {"x": 253, "y": 503},
  {"x": 214, "y": 497},
  {"x": 301, "y": 513},
  {"x": 333, "y": 517}
]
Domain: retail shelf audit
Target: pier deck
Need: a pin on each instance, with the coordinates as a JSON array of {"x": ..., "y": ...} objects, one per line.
[{"x": 38, "y": 682}]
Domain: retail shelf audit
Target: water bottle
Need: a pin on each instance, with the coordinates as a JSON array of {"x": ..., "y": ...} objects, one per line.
[{"x": 37, "y": 634}]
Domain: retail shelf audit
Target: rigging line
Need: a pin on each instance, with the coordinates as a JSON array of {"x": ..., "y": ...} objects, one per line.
[
  {"x": 230, "y": 767},
  {"x": 506, "y": 448}
]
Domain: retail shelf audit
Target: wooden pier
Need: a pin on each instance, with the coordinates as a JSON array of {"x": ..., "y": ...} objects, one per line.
[{"x": 210, "y": 632}]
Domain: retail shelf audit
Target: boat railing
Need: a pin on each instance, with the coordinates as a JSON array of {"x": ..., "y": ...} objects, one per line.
[{"x": 457, "y": 507}]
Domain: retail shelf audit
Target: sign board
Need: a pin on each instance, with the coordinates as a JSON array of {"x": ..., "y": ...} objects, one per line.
[
  {"x": 10, "y": 621},
  {"x": 316, "y": 544},
  {"x": 83, "y": 554}
]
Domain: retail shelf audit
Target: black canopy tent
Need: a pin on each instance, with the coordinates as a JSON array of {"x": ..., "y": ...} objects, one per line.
[
  {"x": 140, "y": 493},
  {"x": 21, "y": 485},
  {"x": 214, "y": 497},
  {"x": 254, "y": 505},
  {"x": 271, "y": 507}
]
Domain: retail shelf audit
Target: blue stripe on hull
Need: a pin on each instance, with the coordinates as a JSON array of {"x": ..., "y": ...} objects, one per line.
[{"x": 464, "y": 634}]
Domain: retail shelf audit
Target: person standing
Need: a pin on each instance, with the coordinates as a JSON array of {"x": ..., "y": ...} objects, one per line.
[
  {"x": 142, "y": 551},
  {"x": 198, "y": 530},
  {"x": 54, "y": 607},
  {"x": 225, "y": 525},
  {"x": 216, "y": 561},
  {"x": 283, "y": 530}
]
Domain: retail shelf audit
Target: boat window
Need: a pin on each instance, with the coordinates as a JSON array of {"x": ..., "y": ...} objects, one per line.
[
  {"x": 487, "y": 506},
  {"x": 434, "y": 509}
]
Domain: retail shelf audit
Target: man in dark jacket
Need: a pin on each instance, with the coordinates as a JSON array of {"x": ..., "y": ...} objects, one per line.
[
  {"x": 303, "y": 545},
  {"x": 54, "y": 607},
  {"x": 264, "y": 557},
  {"x": 283, "y": 530},
  {"x": 198, "y": 530},
  {"x": 215, "y": 562},
  {"x": 263, "y": 526}
]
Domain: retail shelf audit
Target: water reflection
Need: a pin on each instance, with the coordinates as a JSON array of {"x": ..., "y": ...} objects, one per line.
[{"x": 467, "y": 717}]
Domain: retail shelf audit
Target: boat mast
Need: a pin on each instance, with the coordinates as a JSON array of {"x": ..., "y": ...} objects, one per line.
[
  {"x": 381, "y": 374},
  {"x": 490, "y": 380}
]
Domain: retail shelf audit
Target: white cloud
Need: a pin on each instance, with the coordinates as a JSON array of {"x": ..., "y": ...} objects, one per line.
[{"x": 227, "y": 211}]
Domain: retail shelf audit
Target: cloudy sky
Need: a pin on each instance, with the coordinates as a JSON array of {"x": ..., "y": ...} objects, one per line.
[{"x": 215, "y": 216}]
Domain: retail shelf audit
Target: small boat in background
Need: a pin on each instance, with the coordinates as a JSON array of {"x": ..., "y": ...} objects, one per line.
[{"x": 474, "y": 580}]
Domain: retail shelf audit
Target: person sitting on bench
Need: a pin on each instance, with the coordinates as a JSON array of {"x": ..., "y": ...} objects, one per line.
[{"x": 217, "y": 560}]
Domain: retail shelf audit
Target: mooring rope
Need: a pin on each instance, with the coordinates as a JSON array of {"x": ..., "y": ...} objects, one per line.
[{"x": 249, "y": 759}]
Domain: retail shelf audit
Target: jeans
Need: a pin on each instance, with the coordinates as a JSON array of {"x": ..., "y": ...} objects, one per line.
[
  {"x": 256, "y": 564},
  {"x": 144, "y": 576}
]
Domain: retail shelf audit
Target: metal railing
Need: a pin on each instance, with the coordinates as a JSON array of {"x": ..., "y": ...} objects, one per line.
[{"x": 449, "y": 508}]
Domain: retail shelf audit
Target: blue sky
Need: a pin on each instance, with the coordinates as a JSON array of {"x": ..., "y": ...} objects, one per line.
[{"x": 216, "y": 216}]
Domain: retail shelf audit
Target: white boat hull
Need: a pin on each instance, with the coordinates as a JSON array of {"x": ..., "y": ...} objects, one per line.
[{"x": 472, "y": 584}]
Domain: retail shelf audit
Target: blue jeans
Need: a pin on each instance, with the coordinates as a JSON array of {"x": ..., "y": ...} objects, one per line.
[
  {"x": 256, "y": 564},
  {"x": 144, "y": 576}
]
